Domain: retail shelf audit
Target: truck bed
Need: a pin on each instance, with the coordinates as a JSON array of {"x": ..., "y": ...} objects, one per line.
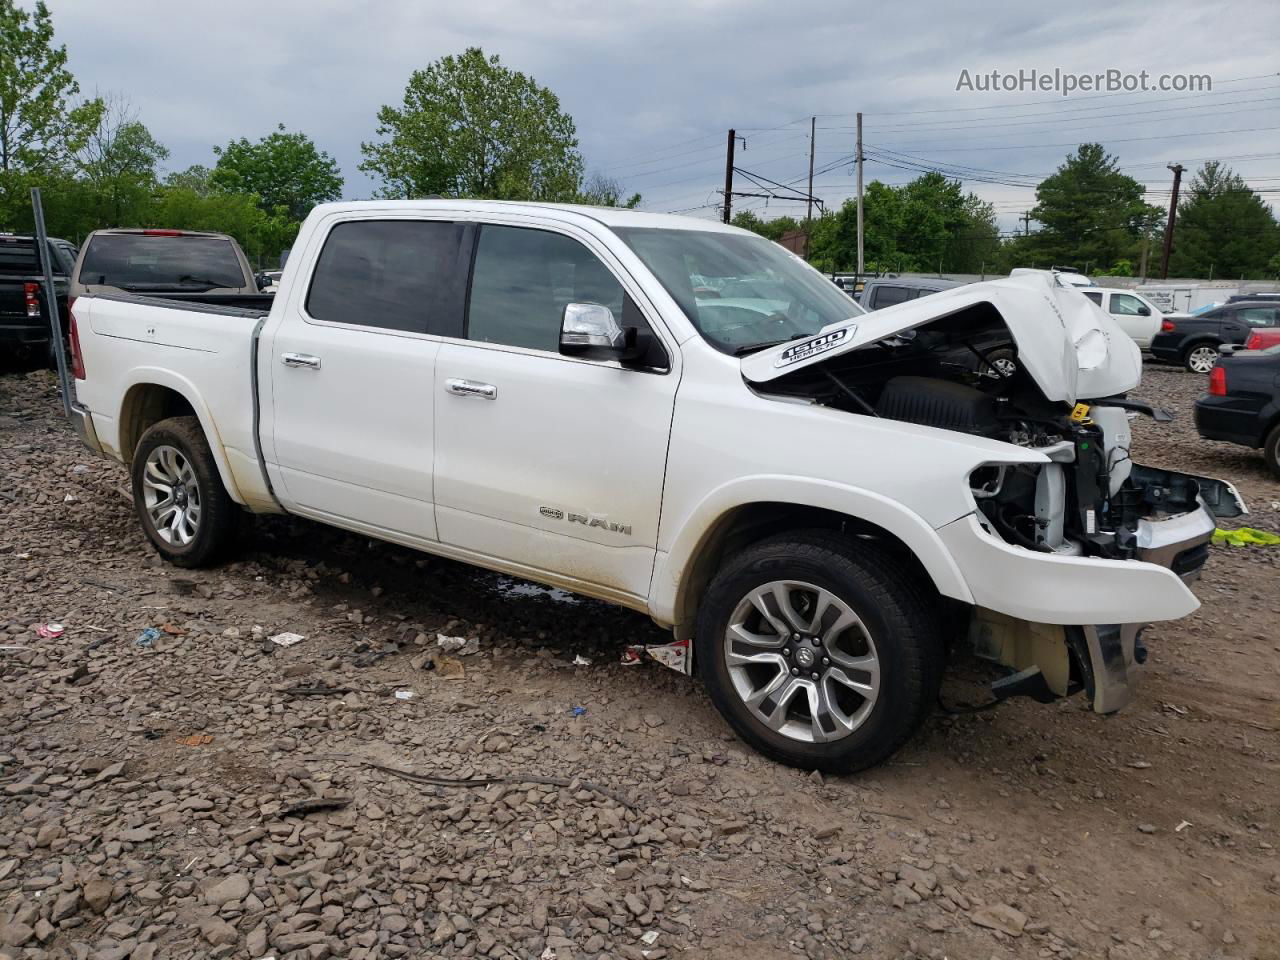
[
  {"x": 176, "y": 353},
  {"x": 255, "y": 305}
]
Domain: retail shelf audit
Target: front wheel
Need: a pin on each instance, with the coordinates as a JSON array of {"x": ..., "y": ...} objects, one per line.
[
  {"x": 820, "y": 652},
  {"x": 1200, "y": 358},
  {"x": 184, "y": 509}
]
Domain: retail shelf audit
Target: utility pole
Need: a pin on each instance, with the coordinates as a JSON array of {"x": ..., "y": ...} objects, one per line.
[
  {"x": 1173, "y": 213},
  {"x": 728, "y": 177},
  {"x": 808, "y": 204},
  {"x": 859, "y": 194},
  {"x": 1026, "y": 223}
]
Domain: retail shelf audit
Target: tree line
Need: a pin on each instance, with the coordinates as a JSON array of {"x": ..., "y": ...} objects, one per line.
[
  {"x": 467, "y": 126},
  {"x": 1088, "y": 215}
]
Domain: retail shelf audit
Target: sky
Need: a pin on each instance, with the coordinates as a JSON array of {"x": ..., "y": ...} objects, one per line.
[{"x": 654, "y": 86}]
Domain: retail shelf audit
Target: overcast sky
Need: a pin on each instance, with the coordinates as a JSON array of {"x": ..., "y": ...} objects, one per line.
[{"x": 654, "y": 86}]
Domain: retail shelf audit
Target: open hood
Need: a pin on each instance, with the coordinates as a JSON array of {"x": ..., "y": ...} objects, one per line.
[{"x": 1065, "y": 342}]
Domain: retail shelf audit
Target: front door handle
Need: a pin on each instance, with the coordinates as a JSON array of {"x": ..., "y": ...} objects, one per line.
[
  {"x": 470, "y": 388},
  {"x": 300, "y": 360}
]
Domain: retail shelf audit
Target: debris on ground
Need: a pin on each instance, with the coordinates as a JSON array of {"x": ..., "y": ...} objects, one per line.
[
  {"x": 147, "y": 638},
  {"x": 1246, "y": 537},
  {"x": 287, "y": 639}
]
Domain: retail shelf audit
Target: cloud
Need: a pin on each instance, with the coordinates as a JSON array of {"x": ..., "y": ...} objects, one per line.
[{"x": 654, "y": 86}]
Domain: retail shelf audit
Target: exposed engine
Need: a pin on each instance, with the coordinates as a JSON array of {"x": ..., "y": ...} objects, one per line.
[{"x": 962, "y": 373}]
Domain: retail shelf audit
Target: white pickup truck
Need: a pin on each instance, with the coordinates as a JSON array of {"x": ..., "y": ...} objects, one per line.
[{"x": 682, "y": 418}]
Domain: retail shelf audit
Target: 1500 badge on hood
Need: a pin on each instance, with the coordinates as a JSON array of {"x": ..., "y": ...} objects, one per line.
[{"x": 814, "y": 346}]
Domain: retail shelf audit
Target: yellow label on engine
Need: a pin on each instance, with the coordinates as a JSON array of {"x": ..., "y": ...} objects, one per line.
[{"x": 1080, "y": 414}]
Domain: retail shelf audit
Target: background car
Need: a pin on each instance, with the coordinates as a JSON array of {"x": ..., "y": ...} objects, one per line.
[
  {"x": 886, "y": 291},
  {"x": 1137, "y": 316},
  {"x": 172, "y": 262},
  {"x": 1193, "y": 341},
  {"x": 1243, "y": 403},
  {"x": 24, "y": 314}
]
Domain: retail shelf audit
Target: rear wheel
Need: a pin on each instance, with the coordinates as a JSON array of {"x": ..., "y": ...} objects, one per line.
[
  {"x": 1271, "y": 450},
  {"x": 185, "y": 511},
  {"x": 819, "y": 652},
  {"x": 1200, "y": 357},
  {"x": 1000, "y": 365}
]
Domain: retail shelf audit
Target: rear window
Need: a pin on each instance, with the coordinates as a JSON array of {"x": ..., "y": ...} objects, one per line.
[
  {"x": 141, "y": 262},
  {"x": 18, "y": 256}
]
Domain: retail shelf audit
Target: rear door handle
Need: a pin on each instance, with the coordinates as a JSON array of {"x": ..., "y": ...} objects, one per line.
[
  {"x": 470, "y": 388},
  {"x": 300, "y": 360}
]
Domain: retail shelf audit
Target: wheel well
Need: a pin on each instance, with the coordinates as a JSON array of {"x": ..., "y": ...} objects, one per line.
[
  {"x": 1198, "y": 342},
  {"x": 754, "y": 522},
  {"x": 144, "y": 405}
]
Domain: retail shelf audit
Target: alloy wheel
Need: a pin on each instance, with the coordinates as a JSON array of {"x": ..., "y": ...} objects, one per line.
[
  {"x": 802, "y": 661},
  {"x": 1202, "y": 359},
  {"x": 171, "y": 495}
]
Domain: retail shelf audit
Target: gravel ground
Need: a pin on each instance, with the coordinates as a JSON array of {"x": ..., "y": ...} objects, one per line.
[{"x": 149, "y": 795}]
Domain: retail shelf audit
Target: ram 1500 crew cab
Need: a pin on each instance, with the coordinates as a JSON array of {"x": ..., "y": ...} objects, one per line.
[{"x": 815, "y": 500}]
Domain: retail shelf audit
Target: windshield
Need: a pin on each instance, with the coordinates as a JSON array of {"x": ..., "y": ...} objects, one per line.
[
  {"x": 742, "y": 293},
  {"x": 135, "y": 261}
]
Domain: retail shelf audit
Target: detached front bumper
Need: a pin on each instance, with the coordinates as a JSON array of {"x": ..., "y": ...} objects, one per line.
[{"x": 1053, "y": 611}]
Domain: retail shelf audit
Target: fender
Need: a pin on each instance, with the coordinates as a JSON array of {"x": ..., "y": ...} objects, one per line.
[
  {"x": 158, "y": 376},
  {"x": 672, "y": 569}
]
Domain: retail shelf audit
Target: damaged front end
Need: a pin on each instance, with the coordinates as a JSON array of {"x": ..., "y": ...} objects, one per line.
[{"x": 1060, "y": 552}]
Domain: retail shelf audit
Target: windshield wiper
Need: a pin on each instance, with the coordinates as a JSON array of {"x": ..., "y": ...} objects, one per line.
[
  {"x": 188, "y": 278},
  {"x": 755, "y": 347}
]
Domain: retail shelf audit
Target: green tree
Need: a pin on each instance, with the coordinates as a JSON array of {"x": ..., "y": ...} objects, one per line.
[
  {"x": 774, "y": 229},
  {"x": 118, "y": 164},
  {"x": 39, "y": 128},
  {"x": 1223, "y": 228},
  {"x": 284, "y": 170},
  {"x": 1089, "y": 211},
  {"x": 262, "y": 234},
  {"x": 470, "y": 127},
  {"x": 197, "y": 178},
  {"x": 602, "y": 191}
]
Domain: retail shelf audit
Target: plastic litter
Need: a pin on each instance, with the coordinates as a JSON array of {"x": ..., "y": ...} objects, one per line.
[
  {"x": 147, "y": 638},
  {"x": 287, "y": 639},
  {"x": 581, "y": 661},
  {"x": 649, "y": 937},
  {"x": 404, "y": 694},
  {"x": 462, "y": 646},
  {"x": 1246, "y": 537},
  {"x": 578, "y": 711},
  {"x": 50, "y": 631},
  {"x": 195, "y": 740},
  {"x": 632, "y": 655},
  {"x": 1182, "y": 826}
]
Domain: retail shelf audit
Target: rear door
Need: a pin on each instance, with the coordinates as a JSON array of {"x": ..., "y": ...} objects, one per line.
[
  {"x": 544, "y": 462},
  {"x": 352, "y": 364}
]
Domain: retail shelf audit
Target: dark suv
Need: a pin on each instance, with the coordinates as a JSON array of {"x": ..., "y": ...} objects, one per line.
[
  {"x": 1193, "y": 341},
  {"x": 887, "y": 291}
]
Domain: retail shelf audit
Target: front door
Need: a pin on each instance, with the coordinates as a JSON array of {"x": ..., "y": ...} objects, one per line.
[
  {"x": 350, "y": 403},
  {"x": 546, "y": 462}
]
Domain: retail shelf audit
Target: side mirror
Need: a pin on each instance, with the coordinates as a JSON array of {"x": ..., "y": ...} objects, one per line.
[
  {"x": 262, "y": 281},
  {"x": 590, "y": 330},
  {"x": 1144, "y": 311}
]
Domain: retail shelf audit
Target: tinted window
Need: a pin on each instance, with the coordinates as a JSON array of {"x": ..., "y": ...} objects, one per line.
[
  {"x": 18, "y": 256},
  {"x": 888, "y": 296},
  {"x": 1095, "y": 296},
  {"x": 522, "y": 280},
  {"x": 393, "y": 274},
  {"x": 1257, "y": 316},
  {"x": 136, "y": 261}
]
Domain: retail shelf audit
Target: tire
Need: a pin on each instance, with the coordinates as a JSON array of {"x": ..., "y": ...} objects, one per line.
[
  {"x": 1271, "y": 450},
  {"x": 1004, "y": 364},
  {"x": 1200, "y": 357},
  {"x": 195, "y": 524},
  {"x": 895, "y": 651}
]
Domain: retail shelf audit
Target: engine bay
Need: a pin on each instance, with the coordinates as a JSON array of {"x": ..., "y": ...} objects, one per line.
[{"x": 962, "y": 373}]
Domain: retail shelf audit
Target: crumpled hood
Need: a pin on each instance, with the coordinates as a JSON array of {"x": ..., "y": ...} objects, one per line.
[{"x": 1066, "y": 343}]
